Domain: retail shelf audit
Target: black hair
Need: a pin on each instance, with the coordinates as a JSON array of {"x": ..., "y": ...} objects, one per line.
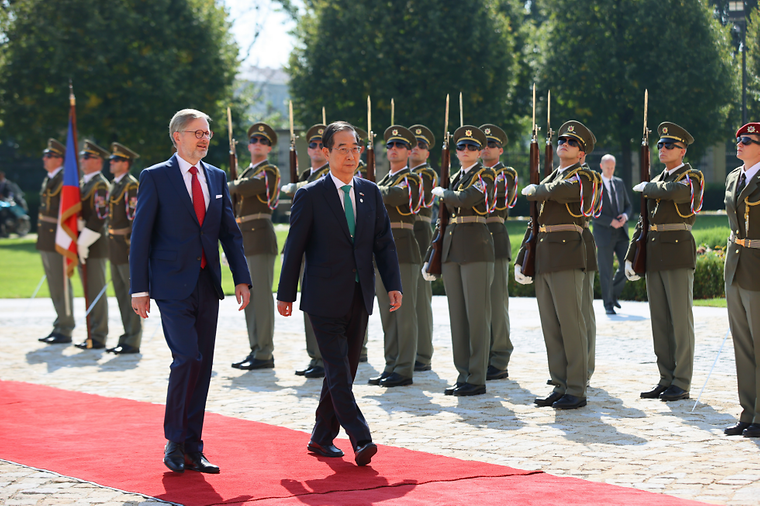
[{"x": 334, "y": 128}]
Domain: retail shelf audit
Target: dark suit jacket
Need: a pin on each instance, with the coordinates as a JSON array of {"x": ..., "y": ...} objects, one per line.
[
  {"x": 167, "y": 239},
  {"x": 603, "y": 224},
  {"x": 318, "y": 229}
]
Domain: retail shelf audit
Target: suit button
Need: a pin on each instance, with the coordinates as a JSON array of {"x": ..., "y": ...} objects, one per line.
[{"x": 198, "y": 258}]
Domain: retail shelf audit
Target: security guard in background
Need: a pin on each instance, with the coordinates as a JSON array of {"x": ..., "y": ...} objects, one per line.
[
  {"x": 92, "y": 242},
  {"x": 505, "y": 189},
  {"x": 673, "y": 200},
  {"x": 52, "y": 261},
  {"x": 742, "y": 273},
  {"x": 400, "y": 189},
  {"x": 122, "y": 202},
  {"x": 423, "y": 232},
  {"x": 319, "y": 168},
  {"x": 468, "y": 262},
  {"x": 567, "y": 196},
  {"x": 256, "y": 190}
]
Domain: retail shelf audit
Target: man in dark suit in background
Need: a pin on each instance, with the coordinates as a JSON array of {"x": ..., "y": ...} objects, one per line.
[
  {"x": 183, "y": 212},
  {"x": 611, "y": 234},
  {"x": 339, "y": 222}
]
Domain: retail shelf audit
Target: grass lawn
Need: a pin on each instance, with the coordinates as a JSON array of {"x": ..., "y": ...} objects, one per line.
[{"x": 710, "y": 302}]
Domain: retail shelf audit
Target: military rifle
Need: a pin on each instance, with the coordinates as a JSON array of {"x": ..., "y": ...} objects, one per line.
[
  {"x": 529, "y": 261},
  {"x": 640, "y": 256},
  {"x": 436, "y": 257},
  {"x": 293, "y": 154},
  {"x": 233, "y": 157},
  {"x": 370, "y": 143},
  {"x": 548, "y": 150}
]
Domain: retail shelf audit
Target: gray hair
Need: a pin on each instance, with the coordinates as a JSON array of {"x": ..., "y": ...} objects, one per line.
[
  {"x": 182, "y": 118},
  {"x": 608, "y": 157}
]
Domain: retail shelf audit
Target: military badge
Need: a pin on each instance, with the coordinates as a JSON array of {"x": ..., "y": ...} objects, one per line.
[
  {"x": 101, "y": 209},
  {"x": 664, "y": 130},
  {"x": 321, "y": 131},
  {"x": 480, "y": 186},
  {"x": 751, "y": 129},
  {"x": 468, "y": 133},
  {"x": 488, "y": 131},
  {"x": 418, "y": 131},
  {"x": 571, "y": 128},
  {"x": 261, "y": 128},
  {"x": 394, "y": 131}
]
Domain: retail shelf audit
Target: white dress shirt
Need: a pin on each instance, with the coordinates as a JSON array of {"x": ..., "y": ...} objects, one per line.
[
  {"x": 608, "y": 188},
  {"x": 184, "y": 167},
  {"x": 751, "y": 172},
  {"x": 88, "y": 177},
  {"x": 338, "y": 183},
  {"x": 51, "y": 175}
]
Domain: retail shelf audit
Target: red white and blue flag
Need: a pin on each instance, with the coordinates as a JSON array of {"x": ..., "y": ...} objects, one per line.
[{"x": 71, "y": 204}]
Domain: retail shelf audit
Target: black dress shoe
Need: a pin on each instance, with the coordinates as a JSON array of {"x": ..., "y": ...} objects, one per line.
[
  {"x": 547, "y": 401},
  {"x": 364, "y": 454},
  {"x": 654, "y": 393},
  {"x": 90, "y": 345},
  {"x": 469, "y": 389},
  {"x": 196, "y": 461},
  {"x": 315, "y": 372},
  {"x": 324, "y": 450},
  {"x": 299, "y": 372},
  {"x": 45, "y": 339},
  {"x": 56, "y": 338},
  {"x": 616, "y": 303},
  {"x": 609, "y": 310},
  {"x": 494, "y": 373},
  {"x": 174, "y": 456},
  {"x": 450, "y": 390},
  {"x": 249, "y": 363},
  {"x": 395, "y": 380},
  {"x": 376, "y": 380},
  {"x": 736, "y": 430},
  {"x": 419, "y": 366},
  {"x": 674, "y": 393},
  {"x": 752, "y": 431},
  {"x": 123, "y": 349},
  {"x": 549, "y": 382},
  {"x": 569, "y": 402}
]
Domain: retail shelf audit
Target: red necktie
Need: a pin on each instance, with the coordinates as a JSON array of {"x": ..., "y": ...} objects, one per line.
[{"x": 199, "y": 204}]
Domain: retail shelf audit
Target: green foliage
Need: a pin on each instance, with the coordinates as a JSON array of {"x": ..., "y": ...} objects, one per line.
[
  {"x": 753, "y": 66},
  {"x": 133, "y": 64}
]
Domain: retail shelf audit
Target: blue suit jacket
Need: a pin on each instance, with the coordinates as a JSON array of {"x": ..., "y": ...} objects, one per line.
[
  {"x": 318, "y": 229},
  {"x": 165, "y": 250}
]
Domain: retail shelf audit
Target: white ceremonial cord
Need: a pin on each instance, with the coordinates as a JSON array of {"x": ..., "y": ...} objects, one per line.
[{"x": 711, "y": 370}]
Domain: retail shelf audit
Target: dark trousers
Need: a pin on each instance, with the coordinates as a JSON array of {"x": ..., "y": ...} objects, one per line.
[
  {"x": 190, "y": 330},
  {"x": 340, "y": 343},
  {"x": 617, "y": 245}
]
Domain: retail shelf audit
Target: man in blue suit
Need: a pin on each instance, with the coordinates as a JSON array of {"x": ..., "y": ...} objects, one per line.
[
  {"x": 183, "y": 212},
  {"x": 339, "y": 223}
]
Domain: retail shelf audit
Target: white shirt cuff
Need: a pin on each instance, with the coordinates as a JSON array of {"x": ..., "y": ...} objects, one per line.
[{"x": 140, "y": 294}]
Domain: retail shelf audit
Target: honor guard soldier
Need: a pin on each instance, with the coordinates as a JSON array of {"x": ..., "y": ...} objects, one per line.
[
  {"x": 567, "y": 197},
  {"x": 93, "y": 241},
  {"x": 52, "y": 261},
  {"x": 742, "y": 273},
  {"x": 673, "y": 200},
  {"x": 319, "y": 168},
  {"x": 591, "y": 267},
  {"x": 122, "y": 202},
  {"x": 256, "y": 189},
  {"x": 400, "y": 189},
  {"x": 423, "y": 232},
  {"x": 505, "y": 196},
  {"x": 468, "y": 261}
]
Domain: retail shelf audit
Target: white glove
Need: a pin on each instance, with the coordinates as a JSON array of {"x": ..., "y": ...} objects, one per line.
[
  {"x": 289, "y": 188},
  {"x": 529, "y": 190},
  {"x": 426, "y": 275},
  {"x": 86, "y": 238},
  {"x": 80, "y": 224},
  {"x": 640, "y": 187},
  {"x": 630, "y": 273},
  {"x": 520, "y": 278},
  {"x": 437, "y": 191}
]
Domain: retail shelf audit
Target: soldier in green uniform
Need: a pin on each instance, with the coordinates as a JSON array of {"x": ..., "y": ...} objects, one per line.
[
  {"x": 591, "y": 267},
  {"x": 468, "y": 262},
  {"x": 92, "y": 242},
  {"x": 673, "y": 200},
  {"x": 52, "y": 261},
  {"x": 742, "y": 276},
  {"x": 423, "y": 232},
  {"x": 566, "y": 197},
  {"x": 400, "y": 189},
  {"x": 505, "y": 187},
  {"x": 319, "y": 168},
  {"x": 122, "y": 202},
  {"x": 256, "y": 189}
]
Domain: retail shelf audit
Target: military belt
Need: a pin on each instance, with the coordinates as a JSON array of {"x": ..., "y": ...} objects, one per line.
[
  {"x": 120, "y": 231},
  {"x": 494, "y": 219},
  {"x": 251, "y": 217},
  {"x": 670, "y": 227},
  {"x": 467, "y": 219},
  {"x": 568, "y": 227},
  {"x": 419, "y": 217},
  {"x": 747, "y": 243},
  {"x": 401, "y": 224},
  {"x": 48, "y": 219}
]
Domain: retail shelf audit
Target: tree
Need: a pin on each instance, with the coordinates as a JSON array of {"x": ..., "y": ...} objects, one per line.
[
  {"x": 414, "y": 52},
  {"x": 133, "y": 64},
  {"x": 599, "y": 59},
  {"x": 753, "y": 66}
]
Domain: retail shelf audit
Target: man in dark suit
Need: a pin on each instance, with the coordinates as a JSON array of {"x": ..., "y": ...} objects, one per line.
[
  {"x": 611, "y": 234},
  {"x": 183, "y": 212},
  {"x": 339, "y": 223}
]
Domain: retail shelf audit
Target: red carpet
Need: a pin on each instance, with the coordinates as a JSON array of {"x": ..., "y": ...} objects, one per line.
[{"x": 119, "y": 443}]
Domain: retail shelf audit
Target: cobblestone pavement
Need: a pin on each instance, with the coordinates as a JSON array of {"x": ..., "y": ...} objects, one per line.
[{"x": 618, "y": 438}]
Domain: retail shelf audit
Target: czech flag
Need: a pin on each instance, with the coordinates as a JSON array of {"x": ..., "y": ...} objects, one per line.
[{"x": 71, "y": 204}]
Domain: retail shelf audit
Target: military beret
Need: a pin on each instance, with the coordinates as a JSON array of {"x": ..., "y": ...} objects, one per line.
[
  {"x": 121, "y": 151},
  {"x": 93, "y": 149},
  {"x": 399, "y": 133},
  {"x": 749, "y": 128},
  {"x": 263, "y": 130},
  {"x": 578, "y": 130},
  {"x": 315, "y": 133},
  {"x": 494, "y": 133},
  {"x": 668, "y": 130},
  {"x": 423, "y": 133},
  {"x": 55, "y": 147},
  {"x": 471, "y": 135}
]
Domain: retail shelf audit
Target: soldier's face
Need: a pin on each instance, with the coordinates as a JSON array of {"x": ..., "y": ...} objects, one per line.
[
  {"x": 397, "y": 153},
  {"x": 259, "y": 149},
  {"x": 568, "y": 154},
  {"x": 315, "y": 154},
  {"x": 119, "y": 167},
  {"x": 51, "y": 162},
  {"x": 468, "y": 158},
  {"x": 748, "y": 152},
  {"x": 419, "y": 155},
  {"x": 91, "y": 164},
  {"x": 672, "y": 156},
  {"x": 491, "y": 155}
]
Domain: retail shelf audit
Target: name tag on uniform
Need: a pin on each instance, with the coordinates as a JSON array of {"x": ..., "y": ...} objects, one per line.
[{"x": 218, "y": 196}]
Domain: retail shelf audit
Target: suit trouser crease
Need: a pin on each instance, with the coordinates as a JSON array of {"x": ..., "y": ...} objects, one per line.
[
  {"x": 52, "y": 262},
  {"x": 132, "y": 322},
  {"x": 400, "y": 326},
  {"x": 259, "y": 313},
  {"x": 96, "y": 280},
  {"x": 617, "y": 245},
  {"x": 744, "y": 322},
  {"x": 501, "y": 344}
]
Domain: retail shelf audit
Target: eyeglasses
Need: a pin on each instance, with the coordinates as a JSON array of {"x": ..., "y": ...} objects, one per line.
[
  {"x": 87, "y": 156},
  {"x": 356, "y": 150},
  {"x": 493, "y": 144},
  {"x": 315, "y": 145},
  {"x": 199, "y": 134},
  {"x": 256, "y": 140},
  {"x": 746, "y": 140},
  {"x": 570, "y": 142},
  {"x": 51, "y": 155},
  {"x": 397, "y": 144},
  {"x": 670, "y": 145},
  {"x": 422, "y": 145},
  {"x": 469, "y": 147}
]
